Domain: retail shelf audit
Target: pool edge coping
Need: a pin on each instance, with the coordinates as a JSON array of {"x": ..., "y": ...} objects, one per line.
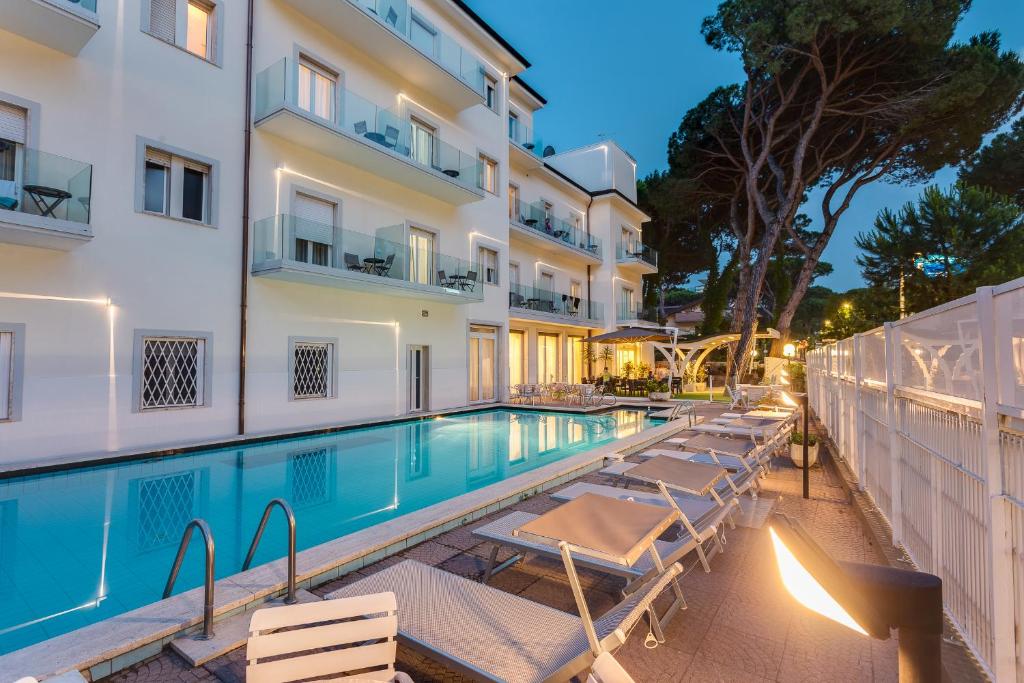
[{"x": 113, "y": 644}]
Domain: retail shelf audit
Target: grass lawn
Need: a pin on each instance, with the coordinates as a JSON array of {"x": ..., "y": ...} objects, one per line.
[{"x": 716, "y": 395}]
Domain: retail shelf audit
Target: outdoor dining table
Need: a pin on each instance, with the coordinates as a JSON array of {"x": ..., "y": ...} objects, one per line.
[
  {"x": 370, "y": 264},
  {"x": 41, "y": 193},
  {"x": 609, "y": 529}
]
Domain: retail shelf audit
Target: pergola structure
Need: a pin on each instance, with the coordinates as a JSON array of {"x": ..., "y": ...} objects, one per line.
[{"x": 666, "y": 340}]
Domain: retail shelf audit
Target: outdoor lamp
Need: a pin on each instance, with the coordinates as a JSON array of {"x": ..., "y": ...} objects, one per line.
[
  {"x": 789, "y": 350},
  {"x": 790, "y": 401},
  {"x": 869, "y": 599}
]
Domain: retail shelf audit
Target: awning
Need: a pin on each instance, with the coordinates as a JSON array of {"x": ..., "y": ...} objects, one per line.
[{"x": 630, "y": 335}]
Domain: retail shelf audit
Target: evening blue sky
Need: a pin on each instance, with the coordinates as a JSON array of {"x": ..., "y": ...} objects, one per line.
[{"x": 610, "y": 70}]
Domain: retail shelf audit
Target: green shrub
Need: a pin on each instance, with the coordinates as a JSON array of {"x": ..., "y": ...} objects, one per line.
[{"x": 798, "y": 438}]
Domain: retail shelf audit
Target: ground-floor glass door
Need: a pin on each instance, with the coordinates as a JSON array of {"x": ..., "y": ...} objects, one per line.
[
  {"x": 574, "y": 360},
  {"x": 547, "y": 358},
  {"x": 419, "y": 375},
  {"x": 483, "y": 344}
]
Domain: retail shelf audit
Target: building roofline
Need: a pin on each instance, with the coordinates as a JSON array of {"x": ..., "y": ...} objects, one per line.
[
  {"x": 530, "y": 90},
  {"x": 489, "y": 30},
  {"x": 617, "y": 193}
]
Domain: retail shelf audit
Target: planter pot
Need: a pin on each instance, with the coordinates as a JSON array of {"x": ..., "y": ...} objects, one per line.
[
  {"x": 659, "y": 395},
  {"x": 796, "y": 454}
]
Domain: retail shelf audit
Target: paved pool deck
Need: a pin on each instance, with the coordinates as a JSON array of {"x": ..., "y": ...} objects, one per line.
[{"x": 740, "y": 624}]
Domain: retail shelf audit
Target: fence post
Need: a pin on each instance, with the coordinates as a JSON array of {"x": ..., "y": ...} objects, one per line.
[
  {"x": 891, "y": 378},
  {"x": 1000, "y": 549},
  {"x": 858, "y": 416}
]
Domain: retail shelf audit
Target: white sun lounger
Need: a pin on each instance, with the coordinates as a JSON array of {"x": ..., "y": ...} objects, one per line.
[
  {"x": 303, "y": 641},
  {"x": 607, "y": 670},
  {"x": 492, "y": 635}
]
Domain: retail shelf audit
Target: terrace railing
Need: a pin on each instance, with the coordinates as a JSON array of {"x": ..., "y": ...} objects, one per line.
[
  {"x": 290, "y": 240},
  {"x": 541, "y": 220},
  {"x": 350, "y": 114},
  {"x": 636, "y": 251},
  {"x": 522, "y": 135},
  {"x": 626, "y": 310},
  {"x": 534, "y": 299},
  {"x": 928, "y": 412},
  {"x": 48, "y": 185}
]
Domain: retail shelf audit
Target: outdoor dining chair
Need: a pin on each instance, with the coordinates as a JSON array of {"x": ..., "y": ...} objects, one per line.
[
  {"x": 352, "y": 262},
  {"x": 469, "y": 282},
  {"x": 385, "y": 268},
  {"x": 390, "y": 137}
]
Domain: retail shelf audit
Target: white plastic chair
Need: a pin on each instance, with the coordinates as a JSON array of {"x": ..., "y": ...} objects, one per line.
[{"x": 303, "y": 641}]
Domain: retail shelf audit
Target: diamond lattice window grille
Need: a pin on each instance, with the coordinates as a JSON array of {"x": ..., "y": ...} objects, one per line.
[
  {"x": 172, "y": 372},
  {"x": 312, "y": 370},
  {"x": 166, "y": 505},
  {"x": 310, "y": 474}
]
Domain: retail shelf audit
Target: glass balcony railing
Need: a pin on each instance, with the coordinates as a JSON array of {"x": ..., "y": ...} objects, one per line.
[
  {"x": 46, "y": 185},
  {"x": 360, "y": 118},
  {"x": 543, "y": 301},
  {"x": 292, "y": 240},
  {"x": 433, "y": 43},
  {"x": 538, "y": 218},
  {"x": 629, "y": 310},
  {"x": 521, "y": 134},
  {"x": 86, "y": 4},
  {"x": 636, "y": 251}
]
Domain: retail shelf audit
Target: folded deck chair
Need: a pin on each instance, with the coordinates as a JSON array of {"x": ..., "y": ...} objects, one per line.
[
  {"x": 354, "y": 637},
  {"x": 492, "y": 635},
  {"x": 701, "y": 518},
  {"x": 606, "y": 669}
]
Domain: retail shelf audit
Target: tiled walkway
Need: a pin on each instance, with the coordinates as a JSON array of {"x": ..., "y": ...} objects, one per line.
[{"x": 740, "y": 625}]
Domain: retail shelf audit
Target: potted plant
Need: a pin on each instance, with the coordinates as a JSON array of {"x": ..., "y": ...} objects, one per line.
[
  {"x": 606, "y": 357},
  {"x": 628, "y": 369},
  {"x": 796, "y": 449},
  {"x": 643, "y": 370},
  {"x": 657, "y": 391}
]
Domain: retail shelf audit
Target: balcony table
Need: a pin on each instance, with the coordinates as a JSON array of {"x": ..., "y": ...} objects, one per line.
[
  {"x": 531, "y": 222},
  {"x": 370, "y": 264},
  {"x": 40, "y": 194},
  {"x": 376, "y": 137}
]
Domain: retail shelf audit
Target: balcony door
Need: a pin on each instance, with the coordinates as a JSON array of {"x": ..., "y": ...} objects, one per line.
[
  {"x": 424, "y": 142},
  {"x": 13, "y": 134},
  {"x": 483, "y": 368},
  {"x": 317, "y": 89},
  {"x": 314, "y": 229},
  {"x": 421, "y": 256}
]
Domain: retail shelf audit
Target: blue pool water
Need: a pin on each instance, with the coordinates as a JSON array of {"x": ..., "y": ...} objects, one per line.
[{"x": 83, "y": 545}]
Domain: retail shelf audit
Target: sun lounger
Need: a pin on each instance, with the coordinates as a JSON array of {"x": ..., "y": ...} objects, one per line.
[
  {"x": 305, "y": 641},
  {"x": 492, "y": 635},
  {"x": 607, "y": 670}
]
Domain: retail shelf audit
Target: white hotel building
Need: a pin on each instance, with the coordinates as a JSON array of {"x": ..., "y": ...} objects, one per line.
[{"x": 383, "y": 235}]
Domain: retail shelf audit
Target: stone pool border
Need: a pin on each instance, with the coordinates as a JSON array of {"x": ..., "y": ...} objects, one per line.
[{"x": 113, "y": 644}]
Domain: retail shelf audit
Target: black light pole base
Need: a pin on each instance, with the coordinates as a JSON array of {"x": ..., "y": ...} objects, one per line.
[{"x": 806, "y": 443}]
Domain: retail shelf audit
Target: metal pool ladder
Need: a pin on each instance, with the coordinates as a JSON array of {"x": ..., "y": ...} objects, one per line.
[
  {"x": 289, "y": 598},
  {"x": 204, "y": 529}
]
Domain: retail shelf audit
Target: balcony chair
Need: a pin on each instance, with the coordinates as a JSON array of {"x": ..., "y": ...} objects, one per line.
[
  {"x": 360, "y": 127},
  {"x": 305, "y": 640},
  {"x": 390, "y": 137},
  {"x": 385, "y": 268},
  {"x": 516, "y": 300},
  {"x": 498, "y": 636},
  {"x": 352, "y": 262},
  {"x": 443, "y": 280},
  {"x": 8, "y": 193},
  {"x": 469, "y": 282}
]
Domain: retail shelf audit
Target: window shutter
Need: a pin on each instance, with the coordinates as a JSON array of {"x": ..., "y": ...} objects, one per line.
[
  {"x": 162, "y": 19},
  {"x": 6, "y": 379},
  {"x": 13, "y": 123},
  {"x": 158, "y": 157},
  {"x": 195, "y": 166},
  {"x": 314, "y": 219}
]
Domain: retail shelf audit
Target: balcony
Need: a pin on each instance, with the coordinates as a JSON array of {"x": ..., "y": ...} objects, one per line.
[
  {"x": 526, "y": 148},
  {"x": 632, "y": 313},
  {"x": 46, "y": 204},
  {"x": 298, "y": 250},
  {"x": 536, "y": 223},
  {"x": 431, "y": 60},
  {"x": 636, "y": 256},
  {"x": 531, "y": 303},
  {"x": 366, "y": 135},
  {"x": 64, "y": 25}
]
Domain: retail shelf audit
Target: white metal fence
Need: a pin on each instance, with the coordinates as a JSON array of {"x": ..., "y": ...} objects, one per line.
[{"x": 929, "y": 414}]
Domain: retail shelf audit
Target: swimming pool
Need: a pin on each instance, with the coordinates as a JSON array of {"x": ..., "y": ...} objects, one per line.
[{"x": 83, "y": 545}]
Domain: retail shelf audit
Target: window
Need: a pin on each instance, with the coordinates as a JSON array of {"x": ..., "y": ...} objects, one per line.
[
  {"x": 489, "y": 174},
  {"x": 513, "y": 276},
  {"x": 424, "y": 150},
  {"x": 13, "y": 136},
  {"x": 546, "y": 282},
  {"x": 311, "y": 368},
  {"x": 12, "y": 358},
  {"x": 421, "y": 256},
  {"x": 513, "y": 126},
  {"x": 516, "y": 357},
  {"x": 317, "y": 88},
  {"x": 171, "y": 184},
  {"x": 489, "y": 264},
  {"x": 172, "y": 371},
  {"x": 491, "y": 92},
  {"x": 192, "y": 25},
  {"x": 314, "y": 221},
  {"x": 574, "y": 358},
  {"x": 576, "y": 289},
  {"x": 197, "y": 29},
  {"x": 547, "y": 358},
  {"x": 513, "y": 202},
  {"x": 422, "y": 35}
]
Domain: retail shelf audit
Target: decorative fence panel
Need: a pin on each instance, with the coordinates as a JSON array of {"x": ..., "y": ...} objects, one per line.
[{"x": 928, "y": 412}]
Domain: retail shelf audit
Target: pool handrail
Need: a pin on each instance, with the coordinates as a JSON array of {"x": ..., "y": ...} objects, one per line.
[
  {"x": 290, "y": 598},
  {"x": 204, "y": 529}
]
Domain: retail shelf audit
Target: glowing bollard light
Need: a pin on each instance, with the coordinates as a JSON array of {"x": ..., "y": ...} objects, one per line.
[{"x": 868, "y": 599}]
